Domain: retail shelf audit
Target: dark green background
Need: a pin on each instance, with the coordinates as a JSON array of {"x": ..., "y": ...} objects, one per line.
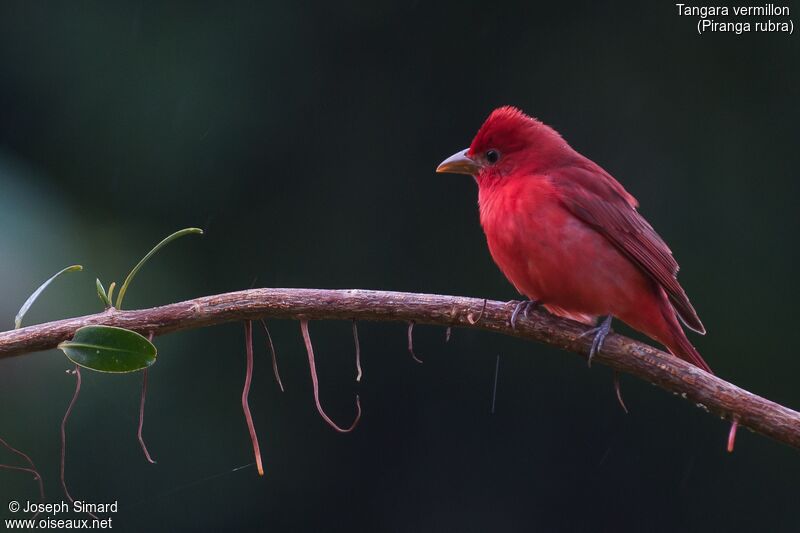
[{"x": 304, "y": 139}]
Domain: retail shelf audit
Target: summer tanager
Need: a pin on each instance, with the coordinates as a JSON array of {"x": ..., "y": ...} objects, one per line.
[{"x": 567, "y": 235}]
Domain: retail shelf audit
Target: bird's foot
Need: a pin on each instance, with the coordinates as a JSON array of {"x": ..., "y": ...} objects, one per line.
[
  {"x": 524, "y": 307},
  {"x": 600, "y": 333}
]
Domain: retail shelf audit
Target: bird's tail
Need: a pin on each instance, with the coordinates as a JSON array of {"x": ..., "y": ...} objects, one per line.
[
  {"x": 681, "y": 347},
  {"x": 677, "y": 342}
]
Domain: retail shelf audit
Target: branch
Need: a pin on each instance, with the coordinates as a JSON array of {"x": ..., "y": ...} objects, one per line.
[{"x": 620, "y": 353}]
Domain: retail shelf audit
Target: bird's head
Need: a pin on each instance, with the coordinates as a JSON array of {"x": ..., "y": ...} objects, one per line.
[{"x": 509, "y": 142}]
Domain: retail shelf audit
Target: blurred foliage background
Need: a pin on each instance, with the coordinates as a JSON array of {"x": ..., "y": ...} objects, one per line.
[{"x": 303, "y": 138}]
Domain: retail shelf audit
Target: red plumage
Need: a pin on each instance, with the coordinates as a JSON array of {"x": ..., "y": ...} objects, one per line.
[{"x": 567, "y": 234}]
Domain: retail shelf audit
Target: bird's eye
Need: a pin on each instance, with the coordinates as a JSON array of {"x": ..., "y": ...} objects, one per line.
[{"x": 492, "y": 156}]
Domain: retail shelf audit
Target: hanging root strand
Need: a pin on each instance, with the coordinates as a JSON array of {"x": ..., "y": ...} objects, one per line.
[
  {"x": 358, "y": 351},
  {"x": 141, "y": 419},
  {"x": 315, "y": 383},
  {"x": 473, "y": 320},
  {"x": 274, "y": 356},
  {"x": 248, "y": 377},
  {"x": 619, "y": 392},
  {"x": 732, "y": 435},
  {"x": 411, "y": 343},
  {"x": 77, "y": 373},
  {"x": 141, "y": 412},
  {"x": 32, "y": 470}
]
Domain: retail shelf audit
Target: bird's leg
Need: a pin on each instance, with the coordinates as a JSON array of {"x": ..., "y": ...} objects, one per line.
[
  {"x": 600, "y": 333},
  {"x": 524, "y": 306}
]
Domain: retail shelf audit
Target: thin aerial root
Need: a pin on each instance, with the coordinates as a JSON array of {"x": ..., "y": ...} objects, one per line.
[
  {"x": 411, "y": 342},
  {"x": 77, "y": 373},
  {"x": 274, "y": 357},
  {"x": 448, "y": 333},
  {"x": 141, "y": 412},
  {"x": 358, "y": 351},
  {"x": 18, "y": 452},
  {"x": 248, "y": 378},
  {"x": 33, "y": 470},
  {"x": 36, "y": 476},
  {"x": 619, "y": 392},
  {"x": 494, "y": 388},
  {"x": 141, "y": 419},
  {"x": 732, "y": 435},
  {"x": 315, "y": 383},
  {"x": 22, "y": 469},
  {"x": 474, "y": 321}
]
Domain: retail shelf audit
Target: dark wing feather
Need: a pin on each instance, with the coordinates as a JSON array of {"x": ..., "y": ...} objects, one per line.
[{"x": 595, "y": 197}]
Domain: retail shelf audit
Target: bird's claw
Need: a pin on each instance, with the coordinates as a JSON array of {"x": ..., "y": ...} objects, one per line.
[
  {"x": 600, "y": 333},
  {"x": 524, "y": 306}
]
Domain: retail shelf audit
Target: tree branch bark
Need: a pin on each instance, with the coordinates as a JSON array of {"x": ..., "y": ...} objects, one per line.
[{"x": 620, "y": 353}]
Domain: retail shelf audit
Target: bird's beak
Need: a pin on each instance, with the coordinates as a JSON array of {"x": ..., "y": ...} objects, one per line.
[{"x": 459, "y": 163}]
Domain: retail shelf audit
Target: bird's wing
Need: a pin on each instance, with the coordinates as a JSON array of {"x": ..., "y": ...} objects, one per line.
[{"x": 595, "y": 197}]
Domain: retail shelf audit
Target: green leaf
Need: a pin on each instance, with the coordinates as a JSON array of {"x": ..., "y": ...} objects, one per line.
[
  {"x": 109, "y": 349},
  {"x": 101, "y": 293},
  {"x": 111, "y": 291},
  {"x": 177, "y": 234},
  {"x": 32, "y": 298}
]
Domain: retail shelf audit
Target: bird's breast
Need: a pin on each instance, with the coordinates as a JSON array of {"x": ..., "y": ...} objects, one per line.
[
  {"x": 550, "y": 255},
  {"x": 523, "y": 223}
]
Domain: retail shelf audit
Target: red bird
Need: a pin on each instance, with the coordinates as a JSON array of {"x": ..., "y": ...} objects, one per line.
[{"x": 567, "y": 234}]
